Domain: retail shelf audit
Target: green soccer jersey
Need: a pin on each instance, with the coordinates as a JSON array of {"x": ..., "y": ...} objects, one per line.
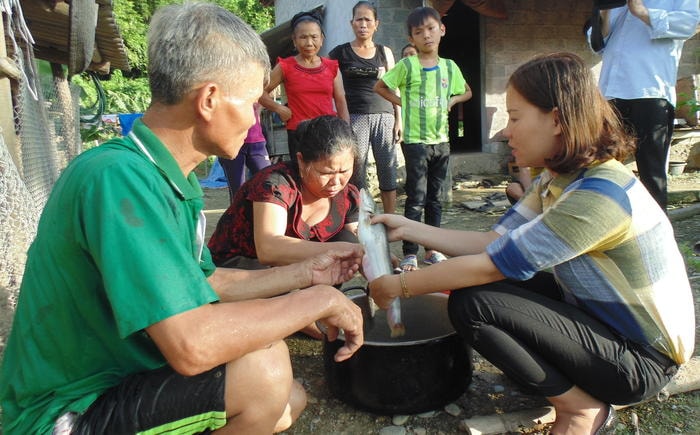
[
  {"x": 120, "y": 246},
  {"x": 425, "y": 93}
]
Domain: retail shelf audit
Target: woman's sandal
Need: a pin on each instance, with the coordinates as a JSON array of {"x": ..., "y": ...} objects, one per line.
[
  {"x": 434, "y": 258},
  {"x": 610, "y": 423},
  {"x": 409, "y": 263}
]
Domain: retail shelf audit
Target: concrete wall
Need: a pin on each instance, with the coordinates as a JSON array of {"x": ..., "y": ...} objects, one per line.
[
  {"x": 532, "y": 27},
  {"x": 539, "y": 26}
]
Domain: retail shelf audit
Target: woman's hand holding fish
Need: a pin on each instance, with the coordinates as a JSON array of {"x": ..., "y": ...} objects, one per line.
[
  {"x": 334, "y": 267},
  {"x": 384, "y": 289},
  {"x": 396, "y": 225}
]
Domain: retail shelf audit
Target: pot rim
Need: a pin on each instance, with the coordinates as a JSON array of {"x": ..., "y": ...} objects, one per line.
[{"x": 398, "y": 342}]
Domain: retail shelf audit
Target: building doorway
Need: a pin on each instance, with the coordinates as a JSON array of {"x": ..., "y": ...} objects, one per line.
[{"x": 462, "y": 43}]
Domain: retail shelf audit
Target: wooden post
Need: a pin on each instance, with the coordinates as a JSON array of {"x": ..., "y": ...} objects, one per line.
[{"x": 7, "y": 119}]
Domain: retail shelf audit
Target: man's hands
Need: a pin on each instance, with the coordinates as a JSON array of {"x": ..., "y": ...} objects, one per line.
[
  {"x": 334, "y": 267},
  {"x": 342, "y": 313},
  {"x": 639, "y": 10}
]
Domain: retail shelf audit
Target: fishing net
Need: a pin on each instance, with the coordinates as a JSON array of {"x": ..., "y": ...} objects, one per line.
[{"x": 46, "y": 119}]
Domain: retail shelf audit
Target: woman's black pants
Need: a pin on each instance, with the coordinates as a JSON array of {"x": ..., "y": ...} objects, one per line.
[{"x": 547, "y": 345}]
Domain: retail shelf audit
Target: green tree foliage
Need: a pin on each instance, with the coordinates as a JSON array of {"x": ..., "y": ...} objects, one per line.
[
  {"x": 251, "y": 11},
  {"x": 132, "y": 20},
  {"x": 133, "y": 17},
  {"x": 128, "y": 92}
]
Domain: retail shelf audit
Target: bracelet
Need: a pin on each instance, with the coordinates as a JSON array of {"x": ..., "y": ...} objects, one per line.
[{"x": 404, "y": 289}]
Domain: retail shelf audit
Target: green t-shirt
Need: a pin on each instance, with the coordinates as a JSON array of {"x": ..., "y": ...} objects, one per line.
[
  {"x": 425, "y": 93},
  {"x": 120, "y": 246}
]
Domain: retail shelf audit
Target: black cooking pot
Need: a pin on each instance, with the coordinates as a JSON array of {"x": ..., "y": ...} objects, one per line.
[{"x": 424, "y": 370}]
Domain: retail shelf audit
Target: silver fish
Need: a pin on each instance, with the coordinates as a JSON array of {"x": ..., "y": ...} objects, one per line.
[{"x": 377, "y": 259}]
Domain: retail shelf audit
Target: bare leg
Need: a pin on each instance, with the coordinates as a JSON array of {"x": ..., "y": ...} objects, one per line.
[
  {"x": 261, "y": 395},
  {"x": 577, "y": 412},
  {"x": 297, "y": 403},
  {"x": 388, "y": 201},
  {"x": 515, "y": 190}
]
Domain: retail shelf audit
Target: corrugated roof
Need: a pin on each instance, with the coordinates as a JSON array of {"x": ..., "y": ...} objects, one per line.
[{"x": 49, "y": 23}]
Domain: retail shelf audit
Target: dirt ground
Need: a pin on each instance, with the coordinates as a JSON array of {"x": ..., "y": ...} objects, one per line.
[{"x": 489, "y": 392}]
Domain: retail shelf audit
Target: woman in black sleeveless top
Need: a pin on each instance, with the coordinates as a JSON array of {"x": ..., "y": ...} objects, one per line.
[{"x": 374, "y": 120}]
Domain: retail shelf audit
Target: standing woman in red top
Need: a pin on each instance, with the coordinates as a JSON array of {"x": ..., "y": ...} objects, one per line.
[{"x": 313, "y": 85}]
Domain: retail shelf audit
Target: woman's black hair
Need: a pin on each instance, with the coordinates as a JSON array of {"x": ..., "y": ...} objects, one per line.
[
  {"x": 324, "y": 136},
  {"x": 313, "y": 16},
  {"x": 367, "y": 5}
]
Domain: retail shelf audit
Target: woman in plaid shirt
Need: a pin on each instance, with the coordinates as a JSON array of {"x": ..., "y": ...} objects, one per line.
[{"x": 579, "y": 292}]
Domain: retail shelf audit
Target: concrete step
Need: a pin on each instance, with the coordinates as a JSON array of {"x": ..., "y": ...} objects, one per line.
[{"x": 480, "y": 163}]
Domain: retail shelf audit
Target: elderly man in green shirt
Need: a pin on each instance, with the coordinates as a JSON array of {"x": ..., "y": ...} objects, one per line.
[{"x": 123, "y": 324}]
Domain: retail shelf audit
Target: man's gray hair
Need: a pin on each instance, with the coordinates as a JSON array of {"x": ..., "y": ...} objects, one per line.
[{"x": 193, "y": 43}]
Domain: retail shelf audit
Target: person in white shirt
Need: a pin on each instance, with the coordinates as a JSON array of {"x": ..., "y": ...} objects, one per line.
[{"x": 642, "y": 47}]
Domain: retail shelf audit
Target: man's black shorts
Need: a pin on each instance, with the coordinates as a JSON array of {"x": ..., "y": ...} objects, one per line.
[{"x": 159, "y": 401}]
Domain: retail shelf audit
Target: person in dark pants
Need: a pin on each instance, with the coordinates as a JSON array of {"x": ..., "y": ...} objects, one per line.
[
  {"x": 579, "y": 292},
  {"x": 430, "y": 87},
  {"x": 375, "y": 121},
  {"x": 651, "y": 121},
  {"x": 252, "y": 156},
  {"x": 641, "y": 47}
]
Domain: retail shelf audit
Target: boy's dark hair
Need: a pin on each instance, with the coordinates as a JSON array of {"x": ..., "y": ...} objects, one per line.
[
  {"x": 324, "y": 136},
  {"x": 418, "y": 16}
]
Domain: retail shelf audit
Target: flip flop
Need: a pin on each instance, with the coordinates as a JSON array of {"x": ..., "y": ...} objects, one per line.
[
  {"x": 435, "y": 257},
  {"x": 409, "y": 263}
]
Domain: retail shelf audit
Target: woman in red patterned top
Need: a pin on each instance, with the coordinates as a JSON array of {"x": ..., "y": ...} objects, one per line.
[
  {"x": 279, "y": 216},
  {"x": 312, "y": 83}
]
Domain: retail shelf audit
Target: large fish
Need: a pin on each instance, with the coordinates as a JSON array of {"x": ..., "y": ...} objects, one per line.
[{"x": 377, "y": 259}]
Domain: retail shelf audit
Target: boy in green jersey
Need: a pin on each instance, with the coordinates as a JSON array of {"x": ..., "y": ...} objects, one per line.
[{"x": 430, "y": 86}]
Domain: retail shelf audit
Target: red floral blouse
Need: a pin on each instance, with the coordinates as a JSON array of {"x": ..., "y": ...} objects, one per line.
[{"x": 277, "y": 184}]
